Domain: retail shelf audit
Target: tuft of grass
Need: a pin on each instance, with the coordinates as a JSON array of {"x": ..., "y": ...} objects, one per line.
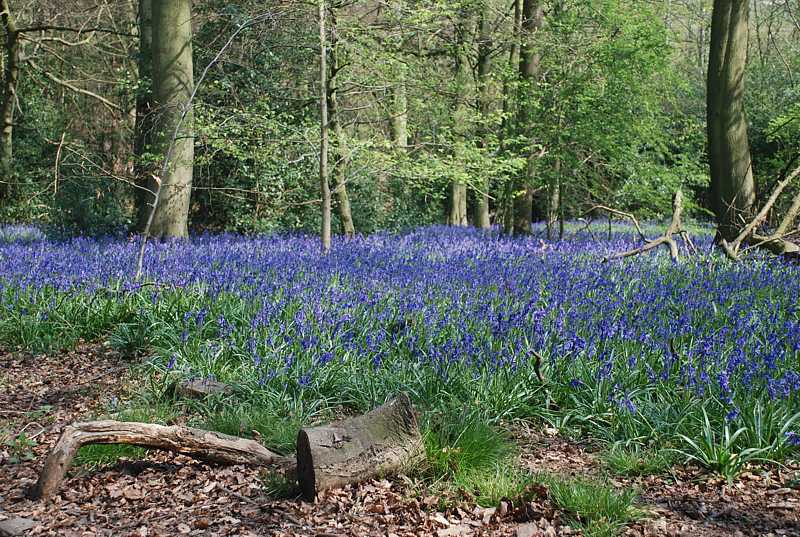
[
  {"x": 277, "y": 433},
  {"x": 635, "y": 460},
  {"x": 96, "y": 456},
  {"x": 488, "y": 486},
  {"x": 598, "y": 509},
  {"x": 456, "y": 448},
  {"x": 279, "y": 486},
  {"x": 464, "y": 454}
]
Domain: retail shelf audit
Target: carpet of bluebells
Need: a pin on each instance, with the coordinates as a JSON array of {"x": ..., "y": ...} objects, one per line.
[{"x": 455, "y": 317}]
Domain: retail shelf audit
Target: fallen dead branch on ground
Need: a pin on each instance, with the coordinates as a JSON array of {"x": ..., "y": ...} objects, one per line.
[
  {"x": 776, "y": 242},
  {"x": 667, "y": 239},
  {"x": 382, "y": 442}
]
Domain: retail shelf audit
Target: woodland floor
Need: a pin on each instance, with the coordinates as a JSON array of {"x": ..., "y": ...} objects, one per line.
[{"x": 166, "y": 494}]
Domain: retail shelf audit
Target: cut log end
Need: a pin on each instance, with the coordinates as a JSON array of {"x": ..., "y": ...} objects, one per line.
[{"x": 382, "y": 442}]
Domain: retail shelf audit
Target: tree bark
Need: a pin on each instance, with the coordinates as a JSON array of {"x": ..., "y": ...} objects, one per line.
[
  {"x": 173, "y": 84},
  {"x": 205, "y": 445},
  {"x": 10, "y": 78},
  {"x": 144, "y": 117},
  {"x": 458, "y": 204},
  {"x": 482, "y": 219},
  {"x": 513, "y": 62},
  {"x": 398, "y": 120},
  {"x": 532, "y": 16},
  {"x": 325, "y": 232},
  {"x": 461, "y": 128},
  {"x": 554, "y": 199},
  {"x": 380, "y": 442},
  {"x": 732, "y": 183},
  {"x": 342, "y": 151}
]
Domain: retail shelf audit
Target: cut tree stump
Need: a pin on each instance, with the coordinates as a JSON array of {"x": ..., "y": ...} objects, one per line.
[
  {"x": 384, "y": 441},
  {"x": 204, "y": 445}
]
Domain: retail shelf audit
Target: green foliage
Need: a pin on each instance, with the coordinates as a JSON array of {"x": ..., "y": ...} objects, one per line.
[
  {"x": 20, "y": 446},
  {"x": 596, "y": 508},
  {"x": 719, "y": 452},
  {"x": 637, "y": 460},
  {"x": 96, "y": 456},
  {"x": 457, "y": 447},
  {"x": 277, "y": 433}
]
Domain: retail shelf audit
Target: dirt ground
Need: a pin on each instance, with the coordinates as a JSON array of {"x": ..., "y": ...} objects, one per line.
[{"x": 166, "y": 494}]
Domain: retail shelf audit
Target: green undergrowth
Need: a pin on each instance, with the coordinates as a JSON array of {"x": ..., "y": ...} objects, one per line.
[
  {"x": 595, "y": 507},
  {"x": 685, "y": 426},
  {"x": 637, "y": 460},
  {"x": 95, "y": 456}
]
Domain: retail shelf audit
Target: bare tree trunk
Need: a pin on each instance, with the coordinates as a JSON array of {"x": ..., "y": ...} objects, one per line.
[
  {"x": 513, "y": 62},
  {"x": 532, "y": 15},
  {"x": 461, "y": 118},
  {"x": 144, "y": 116},
  {"x": 173, "y": 85},
  {"x": 732, "y": 183},
  {"x": 554, "y": 199},
  {"x": 482, "y": 219},
  {"x": 342, "y": 151},
  {"x": 325, "y": 234},
  {"x": 10, "y": 77},
  {"x": 458, "y": 204},
  {"x": 398, "y": 120}
]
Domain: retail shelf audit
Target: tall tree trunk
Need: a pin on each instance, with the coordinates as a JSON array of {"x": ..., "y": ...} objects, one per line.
[
  {"x": 173, "y": 84},
  {"x": 398, "y": 120},
  {"x": 482, "y": 219},
  {"x": 732, "y": 183},
  {"x": 10, "y": 77},
  {"x": 461, "y": 127},
  {"x": 342, "y": 151},
  {"x": 325, "y": 233},
  {"x": 532, "y": 14},
  {"x": 144, "y": 117},
  {"x": 554, "y": 199},
  {"x": 513, "y": 62}
]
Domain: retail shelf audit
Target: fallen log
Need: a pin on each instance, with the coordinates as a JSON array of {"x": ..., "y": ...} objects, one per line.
[
  {"x": 381, "y": 442},
  {"x": 204, "y": 445},
  {"x": 384, "y": 441}
]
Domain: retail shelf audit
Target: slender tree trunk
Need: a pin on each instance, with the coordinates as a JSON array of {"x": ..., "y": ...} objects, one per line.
[
  {"x": 144, "y": 116},
  {"x": 10, "y": 77},
  {"x": 482, "y": 219},
  {"x": 554, "y": 199},
  {"x": 325, "y": 233},
  {"x": 732, "y": 183},
  {"x": 398, "y": 120},
  {"x": 458, "y": 189},
  {"x": 173, "y": 84},
  {"x": 513, "y": 62},
  {"x": 532, "y": 15},
  {"x": 342, "y": 151}
]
